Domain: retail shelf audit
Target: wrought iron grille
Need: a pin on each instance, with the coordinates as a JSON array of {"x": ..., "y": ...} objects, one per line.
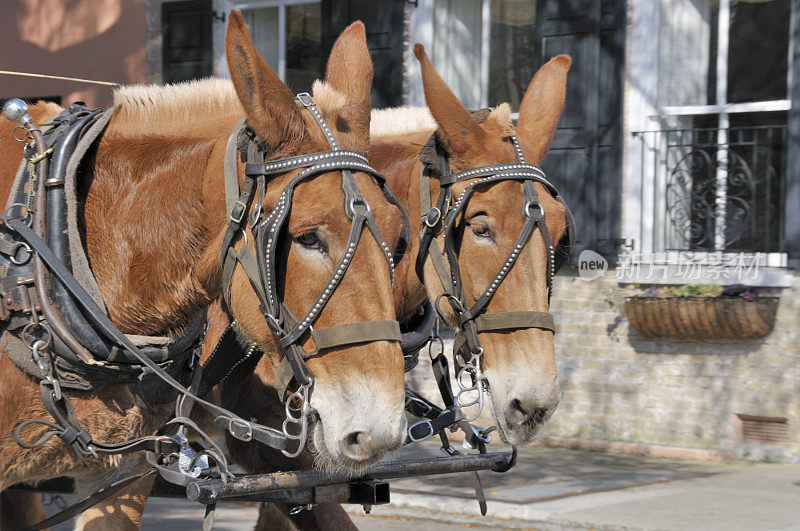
[{"x": 714, "y": 189}]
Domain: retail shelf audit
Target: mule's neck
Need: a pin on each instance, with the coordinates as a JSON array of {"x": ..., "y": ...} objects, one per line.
[{"x": 154, "y": 219}]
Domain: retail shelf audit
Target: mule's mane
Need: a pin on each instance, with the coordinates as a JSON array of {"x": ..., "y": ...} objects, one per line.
[
  {"x": 168, "y": 110},
  {"x": 171, "y": 110},
  {"x": 400, "y": 121},
  {"x": 390, "y": 124}
]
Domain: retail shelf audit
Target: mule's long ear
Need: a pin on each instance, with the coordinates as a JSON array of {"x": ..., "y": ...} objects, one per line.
[
  {"x": 462, "y": 134},
  {"x": 541, "y": 107},
  {"x": 350, "y": 72},
  {"x": 268, "y": 103}
]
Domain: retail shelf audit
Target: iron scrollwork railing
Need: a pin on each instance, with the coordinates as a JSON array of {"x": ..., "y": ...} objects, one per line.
[{"x": 714, "y": 190}]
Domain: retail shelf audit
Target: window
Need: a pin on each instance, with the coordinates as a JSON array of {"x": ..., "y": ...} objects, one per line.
[
  {"x": 513, "y": 50},
  {"x": 288, "y": 35},
  {"x": 714, "y": 166},
  {"x": 719, "y": 52},
  {"x": 485, "y": 50}
]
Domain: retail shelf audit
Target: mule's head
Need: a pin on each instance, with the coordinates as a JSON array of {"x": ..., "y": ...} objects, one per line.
[
  {"x": 357, "y": 395},
  {"x": 519, "y": 364}
]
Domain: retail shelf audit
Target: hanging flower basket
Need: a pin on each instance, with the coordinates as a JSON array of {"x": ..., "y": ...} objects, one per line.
[{"x": 702, "y": 317}]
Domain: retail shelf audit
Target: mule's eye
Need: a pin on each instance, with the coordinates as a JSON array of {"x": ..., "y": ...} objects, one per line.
[
  {"x": 309, "y": 240},
  {"x": 482, "y": 231}
]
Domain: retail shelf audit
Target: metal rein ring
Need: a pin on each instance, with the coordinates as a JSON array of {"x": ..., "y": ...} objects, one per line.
[
  {"x": 27, "y": 256},
  {"x": 28, "y": 334},
  {"x": 21, "y": 139},
  {"x": 25, "y": 218},
  {"x": 452, "y": 299},
  {"x": 351, "y": 206},
  {"x": 526, "y": 210}
]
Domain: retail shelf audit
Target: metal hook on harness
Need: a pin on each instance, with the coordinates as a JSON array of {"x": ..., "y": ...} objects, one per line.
[
  {"x": 297, "y": 415},
  {"x": 476, "y": 384},
  {"x": 27, "y": 256}
]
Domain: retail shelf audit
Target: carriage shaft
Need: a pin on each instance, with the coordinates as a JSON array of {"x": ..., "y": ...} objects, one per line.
[{"x": 212, "y": 491}]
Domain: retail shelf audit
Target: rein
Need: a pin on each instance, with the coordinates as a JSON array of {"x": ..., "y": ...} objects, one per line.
[
  {"x": 440, "y": 220},
  {"x": 270, "y": 229}
]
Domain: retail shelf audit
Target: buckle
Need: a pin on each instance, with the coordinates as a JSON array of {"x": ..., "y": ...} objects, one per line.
[
  {"x": 304, "y": 99},
  {"x": 237, "y": 212},
  {"x": 246, "y": 429},
  {"x": 433, "y": 217},
  {"x": 429, "y": 434}
]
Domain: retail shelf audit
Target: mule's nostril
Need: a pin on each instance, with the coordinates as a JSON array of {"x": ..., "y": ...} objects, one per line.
[
  {"x": 357, "y": 446},
  {"x": 515, "y": 413},
  {"x": 532, "y": 416},
  {"x": 538, "y": 416}
]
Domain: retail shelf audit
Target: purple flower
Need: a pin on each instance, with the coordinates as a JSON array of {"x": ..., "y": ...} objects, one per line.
[
  {"x": 652, "y": 293},
  {"x": 739, "y": 290}
]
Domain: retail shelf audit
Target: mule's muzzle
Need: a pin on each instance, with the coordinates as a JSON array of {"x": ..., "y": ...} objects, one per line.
[{"x": 525, "y": 414}]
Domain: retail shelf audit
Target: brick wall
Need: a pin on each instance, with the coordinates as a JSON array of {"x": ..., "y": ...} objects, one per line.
[{"x": 617, "y": 386}]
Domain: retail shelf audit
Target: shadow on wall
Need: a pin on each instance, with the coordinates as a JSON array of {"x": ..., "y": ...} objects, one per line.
[
  {"x": 94, "y": 39},
  {"x": 717, "y": 347}
]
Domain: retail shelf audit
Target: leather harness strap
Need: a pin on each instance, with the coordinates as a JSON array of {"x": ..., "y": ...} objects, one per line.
[
  {"x": 365, "y": 332},
  {"x": 102, "y": 322},
  {"x": 514, "y": 320}
]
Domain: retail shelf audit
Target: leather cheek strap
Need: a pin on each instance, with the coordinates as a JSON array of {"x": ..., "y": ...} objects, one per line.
[{"x": 349, "y": 334}]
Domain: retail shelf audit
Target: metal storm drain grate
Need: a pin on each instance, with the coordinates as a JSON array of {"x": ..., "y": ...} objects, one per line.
[{"x": 772, "y": 431}]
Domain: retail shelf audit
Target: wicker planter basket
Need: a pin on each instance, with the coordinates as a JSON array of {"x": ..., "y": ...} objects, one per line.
[{"x": 701, "y": 317}]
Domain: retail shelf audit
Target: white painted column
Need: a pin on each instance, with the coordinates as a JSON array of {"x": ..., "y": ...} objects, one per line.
[
  {"x": 486, "y": 42},
  {"x": 282, "y": 42},
  {"x": 641, "y": 105},
  {"x": 723, "y": 155}
]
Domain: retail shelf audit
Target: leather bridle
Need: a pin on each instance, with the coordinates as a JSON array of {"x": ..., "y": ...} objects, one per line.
[
  {"x": 270, "y": 230},
  {"x": 441, "y": 220}
]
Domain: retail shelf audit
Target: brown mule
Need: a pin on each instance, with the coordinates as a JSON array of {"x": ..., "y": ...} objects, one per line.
[
  {"x": 519, "y": 365},
  {"x": 155, "y": 218}
]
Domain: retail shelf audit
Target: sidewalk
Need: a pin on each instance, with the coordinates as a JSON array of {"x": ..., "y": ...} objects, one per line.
[{"x": 567, "y": 489}]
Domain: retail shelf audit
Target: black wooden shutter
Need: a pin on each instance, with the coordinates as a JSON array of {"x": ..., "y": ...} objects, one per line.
[
  {"x": 187, "y": 47},
  {"x": 585, "y": 159},
  {"x": 791, "y": 206},
  {"x": 384, "y": 24}
]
